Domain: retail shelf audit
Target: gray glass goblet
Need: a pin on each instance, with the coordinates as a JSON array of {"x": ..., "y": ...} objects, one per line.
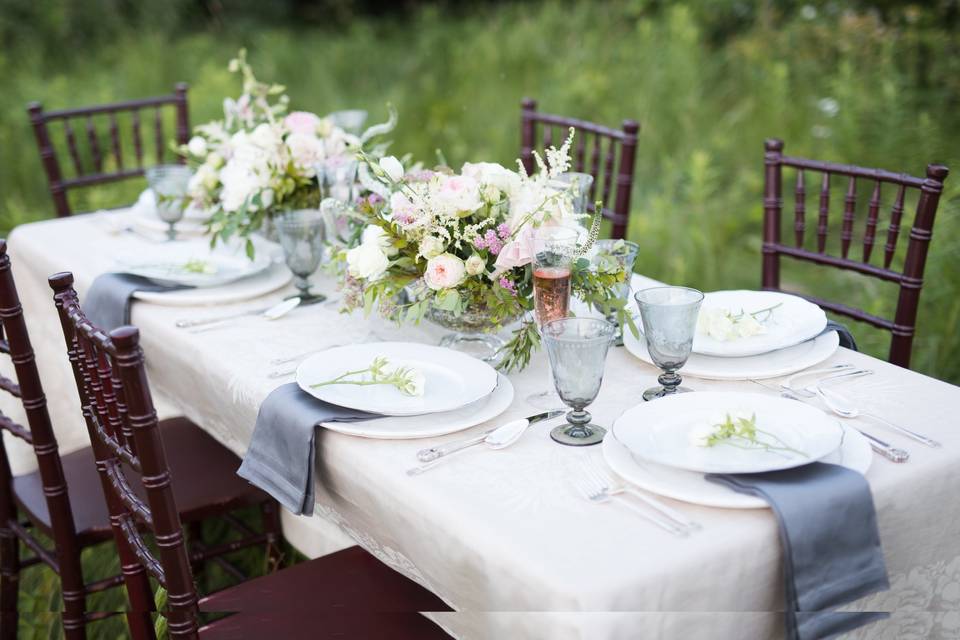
[
  {"x": 169, "y": 185},
  {"x": 578, "y": 352},
  {"x": 616, "y": 255},
  {"x": 302, "y": 233},
  {"x": 669, "y": 316}
]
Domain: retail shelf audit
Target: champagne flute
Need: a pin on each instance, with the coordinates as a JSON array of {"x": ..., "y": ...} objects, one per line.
[{"x": 553, "y": 254}]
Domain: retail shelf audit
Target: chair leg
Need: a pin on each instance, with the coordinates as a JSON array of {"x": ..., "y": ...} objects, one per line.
[
  {"x": 9, "y": 583},
  {"x": 270, "y": 515},
  {"x": 198, "y": 568},
  {"x": 74, "y": 595}
]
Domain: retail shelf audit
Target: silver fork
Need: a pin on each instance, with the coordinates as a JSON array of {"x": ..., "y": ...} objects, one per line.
[
  {"x": 594, "y": 490},
  {"x": 614, "y": 487}
]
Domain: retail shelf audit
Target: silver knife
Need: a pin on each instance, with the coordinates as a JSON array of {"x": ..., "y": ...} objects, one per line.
[{"x": 432, "y": 453}]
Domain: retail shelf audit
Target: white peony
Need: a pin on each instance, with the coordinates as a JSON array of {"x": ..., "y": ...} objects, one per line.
[
  {"x": 402, "y": 209},
  {"x": 431, "y": 247},
  {"x": 457, "y": 196},
  {"x": 491, "y": 173},
  {"x": 392, "y": 167},
  {"x": 197, "y": 146},
  {"x": 444, "y": 271},
  {"x": 475, "y": 265},
  {"x": 367, "y": 261},
  {"x": 306, "y": 151}
]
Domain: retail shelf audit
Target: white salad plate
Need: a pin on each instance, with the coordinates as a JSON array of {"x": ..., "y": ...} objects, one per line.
[
  {"x": 795, "y": 320},
  {"x": 692, "y": 487},
  {"x": 433, "y": 424},
  {"x": 276, "y": 277},
  {"x": 666, "y": 432},
  {"x": 768, "y": 365},
  {"x": 453, "y": 379},
  {"x": 193, "y": 263}
]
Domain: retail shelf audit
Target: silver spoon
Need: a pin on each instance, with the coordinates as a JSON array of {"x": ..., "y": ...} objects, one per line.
[{"x": 838, "y": 406}]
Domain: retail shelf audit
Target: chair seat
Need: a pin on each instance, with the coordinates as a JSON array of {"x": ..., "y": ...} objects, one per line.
[
  {"x": 347, "y": 594},
  {"x": 204, "y": 475}
]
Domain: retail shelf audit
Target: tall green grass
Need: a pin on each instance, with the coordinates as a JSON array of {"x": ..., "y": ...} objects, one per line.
[{"x": 706, "y": 98}]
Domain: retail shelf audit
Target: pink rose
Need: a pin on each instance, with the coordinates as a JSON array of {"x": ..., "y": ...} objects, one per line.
[
  {"x": 516, "y": 253},
  {"x": 302, "y": 122}
]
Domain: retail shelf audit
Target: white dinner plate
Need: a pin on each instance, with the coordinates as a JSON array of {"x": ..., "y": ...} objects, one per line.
[
  {"x": 453, "y": 379},
  {"x": 663, "y": 432},
  {"x": 792, "y": 322},
  {"x": 768, "y": 365},
  {"x": 433, "y": 424},
  {"x": 276, "y": 277},
  {"x": 193, "y": 263},
  {"x": 692, "y": 487}
]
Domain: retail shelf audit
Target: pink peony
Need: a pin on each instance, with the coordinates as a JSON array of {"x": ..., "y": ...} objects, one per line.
[{"x": 302, "y": 122}]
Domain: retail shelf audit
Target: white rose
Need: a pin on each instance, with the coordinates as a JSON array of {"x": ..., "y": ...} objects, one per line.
[
  {"x": 197, "y": 146},
  {"x": 376, "y": 236},
  {"x": 475, "y": 265},
  {"x": 431, "y": 247},
  {"x": 444, "y": 271},
  {"x": 367, "y": 261},
  {"x": 392, "y": 167}
]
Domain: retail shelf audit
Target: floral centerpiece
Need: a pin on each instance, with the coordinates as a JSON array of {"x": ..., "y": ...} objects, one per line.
[
  {"x": 442, "y": 243},
  {"x": 260, "y": 159}
]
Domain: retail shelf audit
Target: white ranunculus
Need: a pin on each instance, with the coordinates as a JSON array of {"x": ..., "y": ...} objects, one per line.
[
  {"x": 197, "y": 146},
  {"x": 431, "y": 247},
  {"x": 306, "y": 151},
  {"x": 367, "y": 261},
  {"x": 475, "y": 265},
  {"x": 444, "y": 271},
  {"x": 392, "y": 167}
]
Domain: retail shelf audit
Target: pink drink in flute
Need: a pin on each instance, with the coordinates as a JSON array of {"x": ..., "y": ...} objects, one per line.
[{"x": 551, "y": 293}]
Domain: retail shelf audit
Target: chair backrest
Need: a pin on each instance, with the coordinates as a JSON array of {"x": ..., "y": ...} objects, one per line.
[
  {"x": 97, "y": 169},
  {"x": 122, "y": 426},
  {"x": 910, "y": 279},
  {"x": 15, "y": 342},
  {"x": 610, "y": 158}
]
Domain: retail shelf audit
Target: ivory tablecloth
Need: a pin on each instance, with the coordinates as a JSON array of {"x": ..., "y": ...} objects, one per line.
[{"x": 502, "y": 535}]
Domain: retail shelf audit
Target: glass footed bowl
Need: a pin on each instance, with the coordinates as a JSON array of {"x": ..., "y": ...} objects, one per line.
[{"x": 473, "y": 332}]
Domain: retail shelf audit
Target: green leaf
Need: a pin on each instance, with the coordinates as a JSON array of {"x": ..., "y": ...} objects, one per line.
[{"x": 250, "y": 249}]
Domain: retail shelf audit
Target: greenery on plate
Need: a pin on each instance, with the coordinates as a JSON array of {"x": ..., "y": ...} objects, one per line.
[{"x": 742, "y": 432}]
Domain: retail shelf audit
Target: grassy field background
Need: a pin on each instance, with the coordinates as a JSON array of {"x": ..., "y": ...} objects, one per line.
[{"x": 867, "y": 83}]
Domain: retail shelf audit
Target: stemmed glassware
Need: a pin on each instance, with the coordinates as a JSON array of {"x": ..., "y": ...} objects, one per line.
[
  {"x": 577, "y": 348},
  {"x": 302, "y": 233},
  {"x": 579, "y": 185},
  {"x": 616, "y": 255},
  {"x": 169, "y": 185},
  {"x": 350, "y": 120},
  {"x": 553, "y": 255},
  {"x": 669, "y": 316},
  {"x": 338, "y": 178}
]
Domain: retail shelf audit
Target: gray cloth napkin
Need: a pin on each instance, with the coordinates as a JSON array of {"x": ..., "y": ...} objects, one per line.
[
  {"x": 846, "y": 338},
  {"x": 280, "y": 459},
  {"x": 107, "y": 303},
  {"x": 831, "y": 546}
]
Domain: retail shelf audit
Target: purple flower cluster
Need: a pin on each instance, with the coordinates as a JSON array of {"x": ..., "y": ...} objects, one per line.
[
  {"x": 493, "y": 240},
  {"x": 509, "y": 286},
  {"x": 423, "y": 175}
]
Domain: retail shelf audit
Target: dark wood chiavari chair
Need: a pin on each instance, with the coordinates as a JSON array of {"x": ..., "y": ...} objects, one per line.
[
  {"x": 95, "y": 170},
  {"x": 62, "y": 499},
  {"x": 618, "y": 142},
  {"x": 909, "y": 280},
  {"x": 345, "y": 594}
]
